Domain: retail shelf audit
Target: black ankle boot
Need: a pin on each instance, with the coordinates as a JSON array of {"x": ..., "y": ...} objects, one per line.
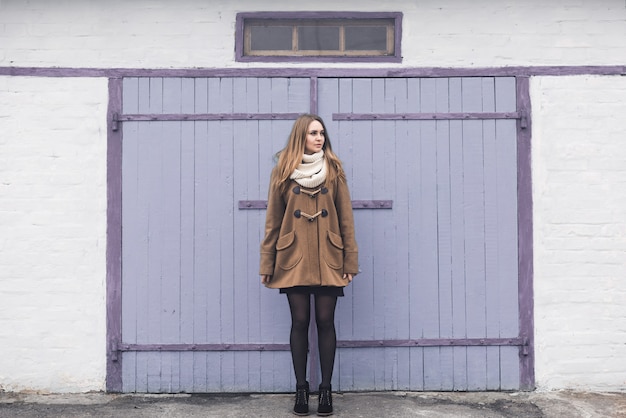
[
  {"x": 301, "y": 406},
  {"x": 325, "y": 401}
]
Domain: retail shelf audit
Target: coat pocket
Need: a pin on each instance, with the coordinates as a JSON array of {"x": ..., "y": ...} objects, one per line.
[
  {"x": 334, "y": 251},
  {"x": 288, "y": 255}
]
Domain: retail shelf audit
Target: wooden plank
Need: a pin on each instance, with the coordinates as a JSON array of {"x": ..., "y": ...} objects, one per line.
[
  {"x": 505, "y": 94},
  {"x": 356, "y": 204},
  {"x": 457, "y": 227},
  {"x": 172, "y": 95},
  {"x": 156, "y": 218},
  {"x": 399, "y": 294},
  {"x": 379, "y": 244},
  {"x": 387, "y": 282},
  {"x": 130, "y": 95},
  {"x": 508, "y": 304},
  {"x": 364, "y": 310},
  {"x": 418, "y": 116},
  {"x": 170, "y": 251},
  {"x": 298, "y": 95},
  {"x": 254, "y": 226},
  {"x": 187, "y": 237}
]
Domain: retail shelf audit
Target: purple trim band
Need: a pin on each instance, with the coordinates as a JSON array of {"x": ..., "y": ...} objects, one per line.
[
  {"x": 425, "y": 72},
  {"x": 356, "y": 204},
  {"x": 422, "y": 342},
  {"x": 114, "y": 241},
  {"x": 525, "y": 237},
  {"x": 206, "y": 116},
  {"x": 425, "y": 116}
]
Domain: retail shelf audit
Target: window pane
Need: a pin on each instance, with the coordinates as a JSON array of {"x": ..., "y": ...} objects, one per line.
[
  {"x": 362, "y": 38},
  {"x": 318, "y": 38},
  {"x": 264, "y": 38}
]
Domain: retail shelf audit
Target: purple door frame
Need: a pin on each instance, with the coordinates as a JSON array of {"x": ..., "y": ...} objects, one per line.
[{"x": 525, "y": 291}]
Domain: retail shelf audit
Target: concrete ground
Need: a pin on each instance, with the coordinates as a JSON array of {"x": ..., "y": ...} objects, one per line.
[{"x": 379, "y": 404}]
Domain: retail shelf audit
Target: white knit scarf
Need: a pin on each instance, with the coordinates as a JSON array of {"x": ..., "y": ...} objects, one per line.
[{"x": 312, "y": 170}]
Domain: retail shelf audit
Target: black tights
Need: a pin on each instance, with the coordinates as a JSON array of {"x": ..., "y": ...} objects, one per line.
[{"x": 300, "y": 306}]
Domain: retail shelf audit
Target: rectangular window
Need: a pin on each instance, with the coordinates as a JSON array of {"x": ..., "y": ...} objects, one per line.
[{"x": 318, "y": 36}]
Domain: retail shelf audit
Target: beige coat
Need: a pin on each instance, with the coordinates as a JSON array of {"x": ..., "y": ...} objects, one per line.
[{"x": 302, "y": 251}]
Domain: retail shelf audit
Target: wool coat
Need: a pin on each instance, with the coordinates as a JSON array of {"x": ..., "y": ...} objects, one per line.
[{"x": 309, "y": 236}]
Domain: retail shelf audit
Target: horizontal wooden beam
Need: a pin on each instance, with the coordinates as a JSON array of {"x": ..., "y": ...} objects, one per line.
[
  {"x": 427, "y": 116},
  {"x": 356, "y": 204},
  {"x": 421, "y": 342},
  {"x": 205, "y": 117}
]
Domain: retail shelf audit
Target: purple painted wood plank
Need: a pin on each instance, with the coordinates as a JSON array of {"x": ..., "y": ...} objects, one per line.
[
  {"x": 493, "y": 368},
  {"x": 204, "y": 310},
  {"x": 493, "y": 275},
  {"x": 525, "y": 239},
  {"x": 132, "y": 233},
  {"x": 130, "y": 95},
  {"x": 244, "y": 151},
  {"x": 473, "y": 184},
  {"x": 426, "y": 116},
  {"x": 172, "y": 95},
  {"x": 377, "y": 229},
  {"x": 342, "y": 142},
  {"x": 362, "y": 170},
  {"x": 476, "y": 368},
  {"x": 170, "y": 257},
  {"x": 398, "y": 100},
  {"x": 505, "y": 94},
  {"x": 510, "y": 378},
  {"x": 416, "y": 368},
  {"x": 356, "y": 204},
  {"x": 208, "y": 116},
  {"x": 299, "y": 95},
  {"x": 114, "y": 366},
  {"x": 388, "y": 285},
  {"x": 427, "y": 72},
  {"x": 200, "y": 95},
  {"x": 187, "y": 232},
  {"x": 506, "y": 138},
  {"x": 214, "y": 104},
  {"x": 187, "y": 223},
  {"x": 427, "y": 247}
]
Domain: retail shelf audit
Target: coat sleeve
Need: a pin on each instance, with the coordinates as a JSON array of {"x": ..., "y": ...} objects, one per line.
[
  {"x": 343, "y": 204},
  {"x": 273, "y": 220}
]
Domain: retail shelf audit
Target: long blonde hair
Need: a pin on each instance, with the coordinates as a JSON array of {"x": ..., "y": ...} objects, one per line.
[{"x": 290, "y": 157}]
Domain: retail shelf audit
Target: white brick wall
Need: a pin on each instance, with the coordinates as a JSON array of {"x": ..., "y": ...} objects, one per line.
[
  {"x": 441, "y": 33},
  {"x": 52, "y": 233},
  {"x": 579, "y": 192}
]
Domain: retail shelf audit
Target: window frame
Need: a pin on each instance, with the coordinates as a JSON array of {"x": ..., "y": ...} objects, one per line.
[{"x": 245, "y": 18}]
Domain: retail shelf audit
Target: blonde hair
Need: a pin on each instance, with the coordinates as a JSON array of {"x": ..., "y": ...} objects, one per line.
[{"x": 290, "y": 157}]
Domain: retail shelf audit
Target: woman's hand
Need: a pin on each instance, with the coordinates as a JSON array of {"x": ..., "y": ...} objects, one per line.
[
  {"x": 348, "y": 277},
  {"x": 266, "y": 279}
]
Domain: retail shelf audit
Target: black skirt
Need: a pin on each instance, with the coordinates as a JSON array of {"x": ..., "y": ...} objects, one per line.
[{"x": 314, "y": 290}]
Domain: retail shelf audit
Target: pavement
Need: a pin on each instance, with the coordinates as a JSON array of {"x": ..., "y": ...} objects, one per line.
[{"x": 377, "y": 404}]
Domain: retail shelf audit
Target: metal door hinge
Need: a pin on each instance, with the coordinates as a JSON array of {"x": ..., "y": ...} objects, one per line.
[
  {"x": 524, "y": 119},
  {"x": 115, "y": 119},
  {"x": 115, "y": 350},
  {"x": 525, "y": 344}
]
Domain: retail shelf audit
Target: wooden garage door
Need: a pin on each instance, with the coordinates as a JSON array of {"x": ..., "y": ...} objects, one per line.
[{"x": 436, "y": 306}]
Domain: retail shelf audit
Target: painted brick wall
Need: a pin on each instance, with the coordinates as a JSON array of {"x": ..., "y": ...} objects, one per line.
[
  {"x": 52, "y": 233},
  {"x": 441, "y": 33},
  {"x": 579, "y": 178}
]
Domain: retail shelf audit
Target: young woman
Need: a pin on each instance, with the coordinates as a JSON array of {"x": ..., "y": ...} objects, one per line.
[{"x": 309, "y": 247}]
